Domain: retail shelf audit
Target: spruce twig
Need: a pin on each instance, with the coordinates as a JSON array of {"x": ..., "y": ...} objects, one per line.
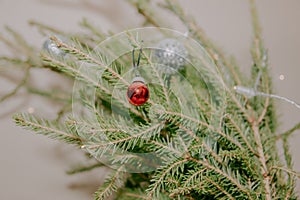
[
  {"x": 220, "y": 149},
  {"x": 19, "y": 86},
  {"x": 81, "y": 169},
  {"x": 112, "y": 184},
  {"x": 86, "y": 57},
  {"x": 73, "y": 71},
  {"x": 47, "y": 128},
  {"x": 42, "y": 28},
  {"x": 287, "y": 133},
  {"x": 196, "y": 31},
  {"x": 263, "y": 161},
  {"x": 143, "y": 8}
]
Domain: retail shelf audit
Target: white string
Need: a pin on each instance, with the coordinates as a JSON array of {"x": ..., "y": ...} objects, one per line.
[
  {"x": 279, "y": 97},
  {"x": 250, "y": 92}
]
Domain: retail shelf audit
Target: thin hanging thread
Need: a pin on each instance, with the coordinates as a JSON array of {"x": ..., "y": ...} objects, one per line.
[{"x": 136, "y": 65}]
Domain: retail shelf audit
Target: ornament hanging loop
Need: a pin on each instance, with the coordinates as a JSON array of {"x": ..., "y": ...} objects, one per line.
[{"x": 136, "y": 64}]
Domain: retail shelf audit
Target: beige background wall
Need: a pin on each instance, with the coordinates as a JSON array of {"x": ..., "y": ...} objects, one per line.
[{"x": 32, "y": 167}]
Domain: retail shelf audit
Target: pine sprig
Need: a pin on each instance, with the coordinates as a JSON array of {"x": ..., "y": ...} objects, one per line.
[
  {"x": 131, "y": 194},
  {"x": 207, "y": 144},
  {"x": 127, "y": 141},
  {"x": 113, "y": 183},
  {"x": 80, "y": 169},
  {"x": 158, "y": 180},
  {"x": 218, "y": 56},
  {"x": 47, "y": 128}
]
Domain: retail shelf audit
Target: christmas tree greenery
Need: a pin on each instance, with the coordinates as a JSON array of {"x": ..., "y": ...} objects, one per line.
[{"x": 206, "y": 132}]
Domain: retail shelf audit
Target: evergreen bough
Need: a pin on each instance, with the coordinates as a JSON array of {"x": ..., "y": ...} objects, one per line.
[{"x": 226, "y": 149}]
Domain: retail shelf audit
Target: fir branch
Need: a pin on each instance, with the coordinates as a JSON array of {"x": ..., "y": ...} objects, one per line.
[
  {"x": 245, "y": 111},
  {"x": 258, "y": 73},
  {"x": 19, "y": 86},
  {"x": 143, "y": 8},
  {"x": 130, "y": 138},
  {"x": 288, "y": 132},
  {"x": 19, "y": 45},
  {"x": 213, "y": 51},
  {"x": 288, "y": 171},
  {"x": 61, "y": 96},
  {"x": 186, "y": 190},
  {"x": 258, "y": 47},
  {"x": 219, "y": 188},
  {"x": 131, "y": 194},
  {"x": 76, "y": 73},
  {"x": 135, "y": 196},
  {"x": 206, "y": 146},
  {"x": 291, "y": 179},
  {"x": 14, "y": 61},
  {"x": 86, "y": 24},
  {"x": 42, "y": 27},
  {"x": 212, "y": 153},
  {"x": 112, "y": 184},
  {"x": 157, "y": 186},
  {"x": 205, "y": 167},
  {"x": 47, "y": 128},
  {"x": 63, "y": 111},
  {"x": 170, "y": 116},
  {"x": 163, "y": 147},
  {"x": 288, "y": 159},
  {"x": 87, "y": 57},
  {"x": 81, "y": 169},
  {"x": 94, "y": 128},
  {"x": 263, "y": 162},
  {"x": 24, "y": 47},
  {"x": 195, "y": 30},
  {"x": 266, "y": 103},
  {"x": 9, "y": 44},
  {"x": 225, "y": 175},
  {"x": 81, "y": 4},
  {"x": 241, "y": 133},
  {"x": 80, "y": 55},
  {"x": 190, "y": 132},
  {"x": 192, "y": 175},
  {"x": 73, "y": 71}
]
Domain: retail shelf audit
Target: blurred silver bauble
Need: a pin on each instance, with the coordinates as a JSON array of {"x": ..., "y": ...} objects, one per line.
[
  {"x": 50, "y": 46},
  {"x": 170, "y": 55}
]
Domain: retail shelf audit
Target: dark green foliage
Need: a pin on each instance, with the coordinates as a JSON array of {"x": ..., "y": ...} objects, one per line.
[{"x": 208, "y": 144}]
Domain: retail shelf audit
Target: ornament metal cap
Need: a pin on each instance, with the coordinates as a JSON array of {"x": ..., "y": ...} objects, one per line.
[{"x": 138, "y": 79}]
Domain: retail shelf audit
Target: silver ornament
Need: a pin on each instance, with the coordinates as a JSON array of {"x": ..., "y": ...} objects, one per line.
[
  {"x": 170, "y": 55},
  {"x": 50, "y": 46}
]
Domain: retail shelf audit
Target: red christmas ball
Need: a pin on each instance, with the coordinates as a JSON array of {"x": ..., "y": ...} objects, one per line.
[{"x": 137, "y": 93}]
